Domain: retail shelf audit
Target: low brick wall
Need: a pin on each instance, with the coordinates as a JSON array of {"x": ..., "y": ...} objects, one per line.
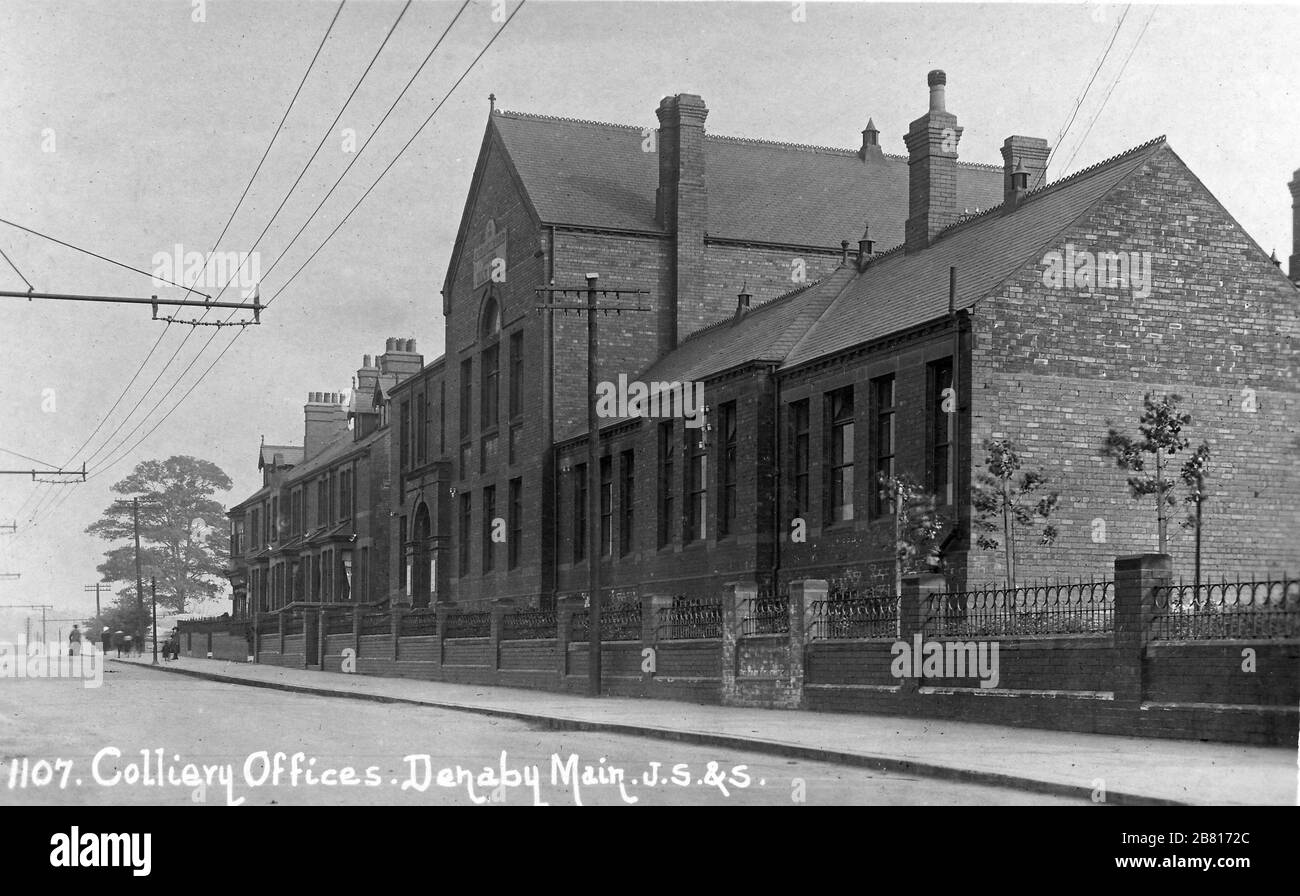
[{"x": 1120, "y": 681}]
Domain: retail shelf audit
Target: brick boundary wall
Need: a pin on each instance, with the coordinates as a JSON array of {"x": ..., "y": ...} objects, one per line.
[{"x": 1120, "y": 682}]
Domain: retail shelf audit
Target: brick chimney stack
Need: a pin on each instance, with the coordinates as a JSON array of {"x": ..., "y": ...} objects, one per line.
[
  {"x": 399, "y": 357},
  {"x": 932, "y": 169},
  {"x": 1295, "y": 226},
  {"x": 1029, "y": 152},
  {"x": 681, "y": 208},
  {"x": 326, "y": 418}
]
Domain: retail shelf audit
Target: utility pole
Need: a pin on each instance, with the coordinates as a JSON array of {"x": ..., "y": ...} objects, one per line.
[
  {"x": 153, "y": 597},
  {"x": 139, "y": 578},
  {"x": 42, "y": 607},
  {"x": 95, "y": 588},
  {"x": 590, "y": 307}
]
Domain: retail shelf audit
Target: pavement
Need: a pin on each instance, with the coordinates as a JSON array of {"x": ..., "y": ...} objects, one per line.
[{"x": 1100, "y": 767}]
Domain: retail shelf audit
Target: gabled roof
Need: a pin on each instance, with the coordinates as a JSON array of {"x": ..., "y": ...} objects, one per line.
[
  {"x": 292, "y": 455},
  {"x": 896, "y": 290},
  {"x": 592, "y": 174},
  {"x": 765, "y": 333}
]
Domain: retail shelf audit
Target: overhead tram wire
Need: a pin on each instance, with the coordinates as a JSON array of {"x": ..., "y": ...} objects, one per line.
[
  {"x": 405, "y": 147},
  {"x": 324, "y": 137},
  {"x": 262, "y": 161},
  {"x": 30, "y": 288},
  {"x": 43, "y": 463},
  {"x": 145, "y": 395},
  {"x": 356, "y": 156},
  {"x": 1083, "y": 96},
  {"x": 239, "y": 333},
  {"x": 1113, "y": 84},
  {"x": 96, "y": 255}
]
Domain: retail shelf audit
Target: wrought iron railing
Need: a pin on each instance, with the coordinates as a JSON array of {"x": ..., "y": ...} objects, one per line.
[
  {"x": 766, "y": 614},
  {"x": 690, "y": 618},
  {"x": 856, "y": 613},
  {"x": 468, "y": 625},
  {"x": 1266, "y": 609},
  {"x": 619, "y": 621},
  {"x": 1059, "y": 608},
  {"x": 376, "y": 623},
  {"x": 529, "y": 625},
  {"x": 268, "y": 625},
  {"x": 417, "y": 622}
]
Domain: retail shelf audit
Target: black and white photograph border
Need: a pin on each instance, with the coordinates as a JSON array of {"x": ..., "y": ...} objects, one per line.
[{"x": 537, "y": 403}]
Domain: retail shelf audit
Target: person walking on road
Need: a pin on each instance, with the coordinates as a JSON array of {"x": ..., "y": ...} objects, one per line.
[
  {"x": 123, "y": 644},
  {"x": 74, "y": 641},
  {"x": 106, "y": 641}
]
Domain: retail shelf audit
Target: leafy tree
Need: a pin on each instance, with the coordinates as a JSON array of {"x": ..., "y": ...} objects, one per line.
[
  {"x": 1002, "y": 501},
  {"x": 183, "y": 541},
  {"x": 917, "y": 525},
  {"x": 1194, "y": 473},
  {"x": 1161, "y": 426}
]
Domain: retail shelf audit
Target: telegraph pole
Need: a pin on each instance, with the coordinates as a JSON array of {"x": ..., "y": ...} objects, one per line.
[
  {"x": 590, "y": 307},
  {"x": 153, "y": 597},
  {"x": 139, "y": 578},
  {"x": 41, "y": 607},
  {"x": 95, "y": 588}
]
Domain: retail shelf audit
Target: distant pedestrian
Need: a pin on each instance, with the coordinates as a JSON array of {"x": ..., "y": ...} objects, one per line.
[
  {"x": 139, "y": 645},
  {"x": 106, "y": 641},
  {"x": 74, "y": 642},
  {"x": 128, "y": 642}
]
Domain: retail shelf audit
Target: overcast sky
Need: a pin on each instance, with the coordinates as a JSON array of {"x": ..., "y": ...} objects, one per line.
[{"x": 129, "y": 127}]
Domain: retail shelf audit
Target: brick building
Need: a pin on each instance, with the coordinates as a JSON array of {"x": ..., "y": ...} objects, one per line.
[
  {"x": 318, "y": 530},
  {"x": 825, "y": 362}
]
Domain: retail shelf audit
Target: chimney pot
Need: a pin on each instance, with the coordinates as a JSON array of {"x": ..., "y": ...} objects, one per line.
[
  {"x": 365, "y": 361},
  {"x": 390, "y": 344},
  {"x": 938, "y": 82}
]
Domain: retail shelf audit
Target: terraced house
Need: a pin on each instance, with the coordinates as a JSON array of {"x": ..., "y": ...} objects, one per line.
[{"x": 317, "y": 531}]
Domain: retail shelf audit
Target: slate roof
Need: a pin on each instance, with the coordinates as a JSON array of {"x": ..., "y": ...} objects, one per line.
[
  {"x": 897, "y": 290},
  {"x": 900, "y": 290},
  {"x": 593, "y": 174},
  {"x": 292, "y": 454}
]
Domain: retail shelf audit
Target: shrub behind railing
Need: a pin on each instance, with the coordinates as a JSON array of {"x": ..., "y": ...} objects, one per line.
[
  {"x": 468, "y": 625},
  {"x": 690, "y": 618},
  {"x": 418, "y": 622},
  {"x": 1267, "y": 609},
  {"x": 1060, "y": 608},
  {"x": 529, "y": 625}
]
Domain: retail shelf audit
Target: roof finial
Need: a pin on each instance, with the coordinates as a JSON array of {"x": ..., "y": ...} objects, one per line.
[{"x": 492, "y": 103}]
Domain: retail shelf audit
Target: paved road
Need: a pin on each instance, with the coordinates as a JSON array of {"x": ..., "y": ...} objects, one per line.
[{"x": 241, "y": 729}]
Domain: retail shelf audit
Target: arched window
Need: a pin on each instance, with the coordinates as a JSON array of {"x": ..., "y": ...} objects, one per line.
[{"x": 490, "y": 321}]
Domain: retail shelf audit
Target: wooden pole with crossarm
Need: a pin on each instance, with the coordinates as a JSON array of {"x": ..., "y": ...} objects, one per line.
[{"x": 567, "y": 299}]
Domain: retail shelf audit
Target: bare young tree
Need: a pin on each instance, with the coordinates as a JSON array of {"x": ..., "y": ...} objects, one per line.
[
  {"x": 1003, "y": 500},
  {"x": 1161, "y": 427}
]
